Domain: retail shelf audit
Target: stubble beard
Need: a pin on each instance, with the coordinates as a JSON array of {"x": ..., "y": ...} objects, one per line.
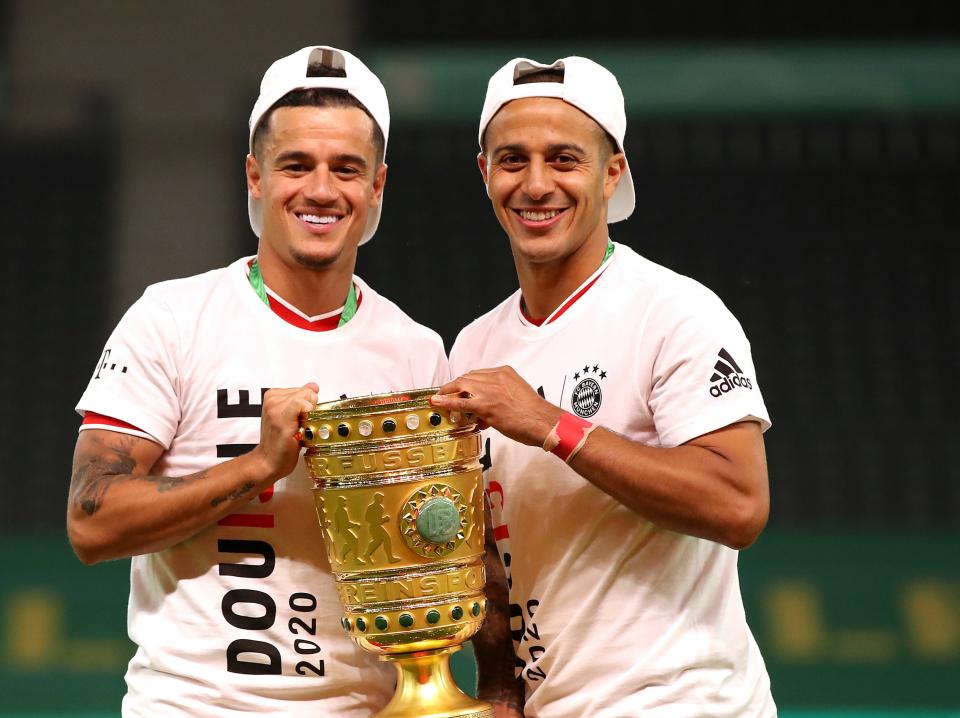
[{"x": 311, "y": 262}]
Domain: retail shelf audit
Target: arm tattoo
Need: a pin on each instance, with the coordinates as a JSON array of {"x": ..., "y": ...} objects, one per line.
[
  {"x": 111, "y": 462},
  {"x": 235, "y": 494}
]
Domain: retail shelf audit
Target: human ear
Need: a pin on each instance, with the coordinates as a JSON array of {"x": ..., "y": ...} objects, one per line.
[
  {"x": 614, "y": 168},
  {"x": 253, "y": 176},
  {"x": 482, "y": 164}
]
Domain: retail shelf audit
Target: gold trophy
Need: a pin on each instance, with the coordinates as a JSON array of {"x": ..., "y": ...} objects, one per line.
[{"x": 399, "y": 496}]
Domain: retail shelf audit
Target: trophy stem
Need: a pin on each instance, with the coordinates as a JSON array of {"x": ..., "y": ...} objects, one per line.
[{"x": 426, "y": 689}]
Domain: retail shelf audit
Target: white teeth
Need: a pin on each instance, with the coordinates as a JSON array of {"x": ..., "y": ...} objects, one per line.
[
  {"x": 317, "y": 219},
  {"x": 532, "y": 216}
]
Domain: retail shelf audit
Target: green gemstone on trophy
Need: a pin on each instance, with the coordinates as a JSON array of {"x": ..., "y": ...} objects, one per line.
[
  {"x": 475, "y": 609},
  {"x": 406, "y": 620},
  {"x": 433, "y": 616},
  {"x": 361, "y": 625},
  {"x": 438, "y": 520},
  {"x": 457, "y": 613},
  {"x": 381, "y": 623}
]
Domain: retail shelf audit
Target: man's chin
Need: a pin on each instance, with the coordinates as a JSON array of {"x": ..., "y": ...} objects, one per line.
[
  {"x": 537, "y": 250},
  {"x": 315, "y": 260}
]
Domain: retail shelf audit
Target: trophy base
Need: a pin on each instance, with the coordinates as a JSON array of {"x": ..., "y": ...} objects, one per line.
[{"x": 426, "y": 689}]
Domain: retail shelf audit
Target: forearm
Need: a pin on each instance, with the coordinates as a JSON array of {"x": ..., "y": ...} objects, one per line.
[
  {"x": 116, "y": 515},
  {"x": 493, "y": 645},
  {"x": 118, "y": 507},
  {"x": 496, "y": 660},
  {"x": 715, "y": 490},
  {"x": 713, "y": 486}
]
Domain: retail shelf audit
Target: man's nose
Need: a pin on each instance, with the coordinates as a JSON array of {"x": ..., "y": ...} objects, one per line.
[
  {"x": 538, "y": 182},
  {"x": 320, "y": 186}
]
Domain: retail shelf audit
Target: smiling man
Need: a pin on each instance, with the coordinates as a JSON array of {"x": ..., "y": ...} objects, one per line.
[
  {"x": 187, "y": 459},
  {"x": 626, "y": 464}
]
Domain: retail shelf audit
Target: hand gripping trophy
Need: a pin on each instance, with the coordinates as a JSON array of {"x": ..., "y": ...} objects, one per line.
[{"x": 399, "y": 497}]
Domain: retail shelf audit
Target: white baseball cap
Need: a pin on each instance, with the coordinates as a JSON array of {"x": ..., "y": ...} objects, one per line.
[
  {"x": 589, "y": 87},
  {"x": 293, "y": 73}
]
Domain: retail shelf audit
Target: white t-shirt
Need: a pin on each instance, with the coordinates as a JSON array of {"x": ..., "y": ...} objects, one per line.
[
  {"x": 611, "y": 615},
  {"x": 244, "y": 618}
]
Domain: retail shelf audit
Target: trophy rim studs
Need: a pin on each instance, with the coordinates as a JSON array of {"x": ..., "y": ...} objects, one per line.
[
  {"x": 433, "y": 615},
  {"x": 386, "y": 416},
  {"x": 405, "y": 620},
  {"x": 382, "y": 623}
]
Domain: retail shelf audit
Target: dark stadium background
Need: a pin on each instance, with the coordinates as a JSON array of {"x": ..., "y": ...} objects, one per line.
[{"x": 801, "y": 159}]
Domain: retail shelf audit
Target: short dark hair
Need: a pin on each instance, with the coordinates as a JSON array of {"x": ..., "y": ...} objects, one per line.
[
  {"x": 547, "y": 74},
  {"x": 317, "y": 97}
]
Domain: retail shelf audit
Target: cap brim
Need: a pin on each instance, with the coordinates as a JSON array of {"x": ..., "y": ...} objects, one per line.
[{"x": 624, "y": 199}]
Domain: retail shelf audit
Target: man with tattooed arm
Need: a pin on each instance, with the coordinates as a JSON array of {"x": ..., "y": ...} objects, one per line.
[{"x": 187, "y": 459}]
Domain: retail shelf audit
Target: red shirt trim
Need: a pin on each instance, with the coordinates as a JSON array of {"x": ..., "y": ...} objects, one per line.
[
  {"x": 290, "y": 317},
  {"x": 324, "y": 324},
  {"x": 91, "y": 417},
  {"x": 559, "y": 312}
]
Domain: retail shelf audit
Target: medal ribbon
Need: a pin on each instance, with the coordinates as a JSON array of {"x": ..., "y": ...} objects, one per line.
[{"x": 256, "y": 281}]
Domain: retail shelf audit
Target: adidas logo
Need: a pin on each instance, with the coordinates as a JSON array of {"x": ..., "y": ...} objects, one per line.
[{"x": 728, "y": 374}]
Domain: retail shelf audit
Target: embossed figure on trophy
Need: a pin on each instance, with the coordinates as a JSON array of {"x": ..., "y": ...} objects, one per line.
[
  {"x": 376, "y": 518},
  {"x": 326, "y": 527},
  {"x": 345, "y": 528}
]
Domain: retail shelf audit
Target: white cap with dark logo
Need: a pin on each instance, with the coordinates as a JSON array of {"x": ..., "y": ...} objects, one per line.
[
  {"x": 294, "y": 73},
  {"x": 587, "y": 86}
]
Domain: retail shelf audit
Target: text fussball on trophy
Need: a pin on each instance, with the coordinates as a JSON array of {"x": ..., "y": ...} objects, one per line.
[{"x": 399, "y": 496}]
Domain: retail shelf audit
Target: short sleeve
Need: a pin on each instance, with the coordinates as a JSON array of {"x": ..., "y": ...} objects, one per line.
[
  {"x": 464, "y": 352},
  {"x": 441, "y": 371},
  {"x": 703, "y": 377},
  {"x": 456, "y": 353},
  {"x": 136, "y": 378}
]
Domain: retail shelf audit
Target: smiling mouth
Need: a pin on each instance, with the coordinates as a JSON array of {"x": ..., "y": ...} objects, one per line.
[
  {"x": 318, "y": 220},
  {"x": 538, "y": 215}
]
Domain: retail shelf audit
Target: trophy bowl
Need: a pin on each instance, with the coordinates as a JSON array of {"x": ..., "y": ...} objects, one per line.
[{"x": 399, "y": 496}]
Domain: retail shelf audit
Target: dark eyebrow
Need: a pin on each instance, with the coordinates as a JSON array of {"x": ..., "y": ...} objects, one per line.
[
  {"x": 551, "y": 149},
  {"x": 291, "y": 155},
  {"x": 298, "y": 156},
  {"x": 351, "y": 159},
  {"x": 566, "y": 146}
]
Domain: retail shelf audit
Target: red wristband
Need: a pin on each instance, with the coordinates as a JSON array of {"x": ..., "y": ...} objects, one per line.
[{"x": 568, "y": 436}]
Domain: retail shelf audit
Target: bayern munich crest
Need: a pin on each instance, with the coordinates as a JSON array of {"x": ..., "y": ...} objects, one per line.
[{"x": 587, "y": 395}]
